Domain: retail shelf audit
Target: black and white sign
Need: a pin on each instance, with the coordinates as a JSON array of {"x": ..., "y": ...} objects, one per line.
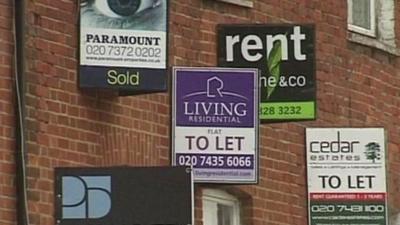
[
  {"x": 123, "y": 45},
  {"x": 285, "y": 55},
  {"x": 124, "y": 196}
]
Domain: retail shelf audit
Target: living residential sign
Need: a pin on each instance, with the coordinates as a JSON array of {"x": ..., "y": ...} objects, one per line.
[
  {"x": 285, "y": 55},
  {"x": 346, "y": 176},
  {"x": 215, "y": 123},
  {"x": 123, "y": 46}
]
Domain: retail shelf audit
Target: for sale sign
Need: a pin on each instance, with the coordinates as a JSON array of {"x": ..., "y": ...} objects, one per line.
[
  {"x": 285, "y": 55},
  {"x": 346, "y": 176},
  {"x": 215, "y": 123}
]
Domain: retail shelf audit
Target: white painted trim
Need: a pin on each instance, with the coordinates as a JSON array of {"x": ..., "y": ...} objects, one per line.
[
  {"x": 219, "y": 197},
  {"x": 373, "y": 42},
  {"x": 245, "y": 3},
  {"x": 369, "y": 32}
]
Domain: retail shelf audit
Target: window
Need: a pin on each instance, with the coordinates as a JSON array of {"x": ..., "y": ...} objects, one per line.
[
  {"x": 245, "y": 3},
  {"x": 361, "y": 16},
  {"x": 372, "y": 23},
  {"x": 220, "y": 208},
  {"x": 395, "y": 219}
]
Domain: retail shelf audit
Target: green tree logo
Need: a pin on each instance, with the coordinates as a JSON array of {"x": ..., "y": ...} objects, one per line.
[
  {"x": 372, "y": 151},
  {"x": 274, "y": 65}
]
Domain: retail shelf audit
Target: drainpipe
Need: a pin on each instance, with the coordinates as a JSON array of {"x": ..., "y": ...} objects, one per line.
[{"x": 19, "y": 70}]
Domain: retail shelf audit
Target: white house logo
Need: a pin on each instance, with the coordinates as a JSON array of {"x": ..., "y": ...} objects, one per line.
[
  {"x": 86, "y": 197},
  {"x": 216, "y": 104}
]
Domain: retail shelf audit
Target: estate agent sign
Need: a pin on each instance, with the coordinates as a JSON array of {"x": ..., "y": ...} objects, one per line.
[
  {"x": 123, "y": 46},
  {"x": 346, "y": 176},
  {"x": 215, "y": 123},
  {"x": 124, "y": 196},
  {"x": 285, "y": 55}
]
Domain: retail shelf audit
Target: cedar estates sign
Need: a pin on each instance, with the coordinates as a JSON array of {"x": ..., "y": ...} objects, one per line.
[
  {"x": 286, "y": 58},
  {"x": 346, "y": 172},
  {"x": 124, "y": 196}
]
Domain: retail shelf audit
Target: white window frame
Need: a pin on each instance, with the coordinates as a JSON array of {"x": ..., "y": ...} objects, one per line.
[
  {"x": 369, "y": 32},
  {"x": 211, "y": 198},
  {"x": 245, "y": 3},
  {"x": 384, "y": 24}
]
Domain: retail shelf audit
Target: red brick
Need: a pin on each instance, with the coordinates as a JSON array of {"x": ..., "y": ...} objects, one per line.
[{"x": 357, "y": 86}]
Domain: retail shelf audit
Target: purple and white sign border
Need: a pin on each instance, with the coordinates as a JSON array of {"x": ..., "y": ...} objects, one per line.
[{"x": 233, "y": 157}]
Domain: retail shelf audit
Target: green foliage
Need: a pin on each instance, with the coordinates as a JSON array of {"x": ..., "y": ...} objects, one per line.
[{"x": 274, "y": 65}]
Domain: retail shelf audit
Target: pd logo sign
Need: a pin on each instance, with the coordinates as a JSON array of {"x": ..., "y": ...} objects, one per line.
[
  {"x": 285, "y": 56},
  {"x": 124, "y": 196},
  {"x": 215, "y": 125},
  {"x": 86, "y": 197}
]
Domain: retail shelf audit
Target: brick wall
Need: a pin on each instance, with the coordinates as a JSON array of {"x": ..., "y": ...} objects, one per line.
[
  {"x": 7, "y": 118},
  {"x": 72, "y": 127},
  {"x": 357, "y": 86}
]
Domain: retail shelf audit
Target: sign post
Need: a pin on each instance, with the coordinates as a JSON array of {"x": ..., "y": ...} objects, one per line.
[
  {"x": 215, "y": 123},
  {"x": 346, "y": 176}
]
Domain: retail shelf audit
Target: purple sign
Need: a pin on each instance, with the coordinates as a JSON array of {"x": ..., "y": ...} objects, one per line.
[
  {"x": 215, "y": 98},
  {"x": 215, "y": 123}
]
